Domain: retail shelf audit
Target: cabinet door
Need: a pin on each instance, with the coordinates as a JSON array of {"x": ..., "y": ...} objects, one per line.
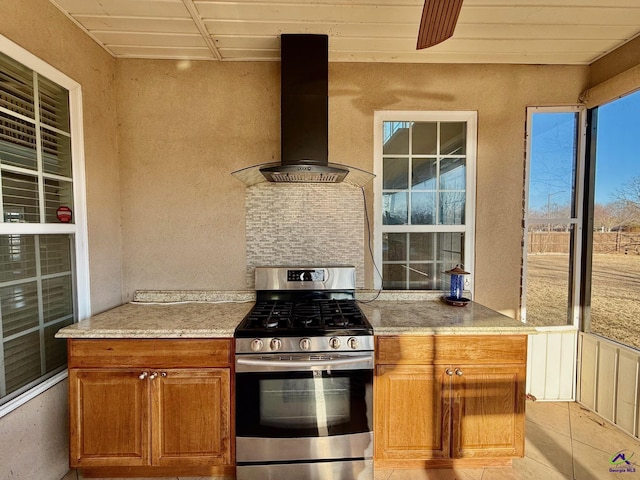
[
  {"x": 488, "y": 411},
  {"x": 412, "y": 412},
  {"x": 109, "y": 417},
  {"x": 191, "y": 417}
]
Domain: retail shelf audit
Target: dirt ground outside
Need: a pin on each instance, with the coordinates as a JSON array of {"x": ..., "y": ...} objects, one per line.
[{"x": 615, "y": 306}]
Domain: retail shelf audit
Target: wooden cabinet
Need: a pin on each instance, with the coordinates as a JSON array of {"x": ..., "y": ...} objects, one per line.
[
  {"x": 449, "y": 400},
  {"x": 150, "y": 407}
]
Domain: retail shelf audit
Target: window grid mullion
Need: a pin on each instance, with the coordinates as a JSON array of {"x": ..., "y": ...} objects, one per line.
[
  {"x": 3, "y": 381},
  {"x": 407, "y": 271},
  {"x": 437, "y": 186},
  {"x": 39, "y": 159},
  {"x": 410, "y": 174},
  {"x": 409, "y": 205},
  {"x": 43, "y": 367}
]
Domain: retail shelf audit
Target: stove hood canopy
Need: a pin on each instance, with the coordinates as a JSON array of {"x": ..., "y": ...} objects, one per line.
[{"x": 304, "y": 120}]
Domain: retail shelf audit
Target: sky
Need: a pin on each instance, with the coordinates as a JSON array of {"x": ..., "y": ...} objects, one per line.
[
  {"x": 618, "y": 145},
  {"x": 617, "y": 153}
]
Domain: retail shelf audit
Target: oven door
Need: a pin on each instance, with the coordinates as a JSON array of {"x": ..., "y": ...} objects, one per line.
[{"x": 303, "y": 408}]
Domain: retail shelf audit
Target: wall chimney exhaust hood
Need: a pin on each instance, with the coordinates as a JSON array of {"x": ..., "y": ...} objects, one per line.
[{"x": 304, "y": 119}]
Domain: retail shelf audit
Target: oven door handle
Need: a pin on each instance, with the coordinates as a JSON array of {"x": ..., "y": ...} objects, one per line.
[{"x": 336, "y": 362}]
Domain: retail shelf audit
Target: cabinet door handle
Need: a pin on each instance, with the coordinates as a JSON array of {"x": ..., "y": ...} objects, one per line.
[
  {"x": 458, "y": 372},
  {"x": 449, "y": 372},
  {"x": 153, "y": 375},
  {"x": 163, "y": 374},
  {"x": 143, "y": 375}
]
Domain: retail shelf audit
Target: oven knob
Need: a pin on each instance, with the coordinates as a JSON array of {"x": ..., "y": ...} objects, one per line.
[
  {"x": 334, "y": 342},
  {"x": 305, "y": 344},
  {"x": 353, "y": 343},
  {"x": 275, "y": 344},
  {"x": 256, "y": 344}
]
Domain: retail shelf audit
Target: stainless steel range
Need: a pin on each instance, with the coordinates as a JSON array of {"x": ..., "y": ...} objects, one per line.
[{"x": 304, "y": 378}]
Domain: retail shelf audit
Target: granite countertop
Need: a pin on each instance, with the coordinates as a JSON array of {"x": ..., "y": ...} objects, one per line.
[
  {"x": 434, "y": 317},
  {"x": 162, "y": 320},
  {"x": 210, "y": 314}
]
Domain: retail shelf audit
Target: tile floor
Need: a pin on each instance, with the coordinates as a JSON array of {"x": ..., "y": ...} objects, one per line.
[{"x": 563, "y": 441}]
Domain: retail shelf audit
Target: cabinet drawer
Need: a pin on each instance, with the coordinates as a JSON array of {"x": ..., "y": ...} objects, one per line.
[
  {"x": 160, "y": 353},
  {"x": 406, "y": 349},
  {"x": 452, "y": 349}
]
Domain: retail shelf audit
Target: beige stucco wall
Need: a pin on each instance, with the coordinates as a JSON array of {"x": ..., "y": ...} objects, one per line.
[
  {"x": 34, "y": 438},
  {"x": 184, "y": 130}
]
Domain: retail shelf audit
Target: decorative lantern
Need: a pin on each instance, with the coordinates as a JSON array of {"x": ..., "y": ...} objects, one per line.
[{"x": 457, "y": 284}]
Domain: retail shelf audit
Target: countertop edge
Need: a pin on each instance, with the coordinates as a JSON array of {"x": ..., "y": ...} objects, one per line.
[{"x": 218, "y": 316}]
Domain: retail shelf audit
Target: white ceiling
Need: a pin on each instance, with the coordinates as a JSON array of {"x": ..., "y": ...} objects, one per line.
[{"x": 488, "y": 31}]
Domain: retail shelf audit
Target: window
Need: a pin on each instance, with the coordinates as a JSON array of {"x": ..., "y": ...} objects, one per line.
[
  {"x": 555, "y": 146},
  {"x": 43, "y": 278},
  {"x": 425, "y": 192}
]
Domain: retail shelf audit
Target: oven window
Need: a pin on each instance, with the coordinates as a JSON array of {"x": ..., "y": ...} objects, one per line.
[{"x": 303, "y": 404}]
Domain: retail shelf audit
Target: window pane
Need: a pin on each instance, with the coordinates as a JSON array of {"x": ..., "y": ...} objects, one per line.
[
  {"x": 453, "y": 138},
  {"x": 394, "y": 208},
  {"x": 452, "y": 208},
  {"x": 450, "y": 249},
  {"x": 422, "y": 276},
  {"x": 424, "y": 172},
  {"x": 396, "y": 138},
  {"x": 17, "y": 257},
  {"x": 20, "y": 197},
  {"x": 17, "y": 142},
  {"x": 22, "y": 361},
  {"x": 423, "y": 208},
  {"x": 453, "y": 174},
  {"x": 16, "y": 87},
  {"x": 553, "y": 158},
  {"x": 19, "y": 308},
  {"x": 423, "y": 246},
  {"x": 394, "y": 247},
  {"x": 395, "y": 174},
  {"x": 56, "y": 153},
  {"x": 55, "y": 254},
  {"x": 54, "y": 104},
  {"x": 394, "y": 277},
  {"x": 57, "y": 193},
  {"x": 57, "y": 299},
  {"x": 424, "y": 139},
  {"x": 55, "y": 349},
  {"x": 548, "y": 275}
]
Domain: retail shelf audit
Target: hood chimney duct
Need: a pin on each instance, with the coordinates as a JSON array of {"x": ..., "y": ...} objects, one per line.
[{"x": 304, "y": 102}]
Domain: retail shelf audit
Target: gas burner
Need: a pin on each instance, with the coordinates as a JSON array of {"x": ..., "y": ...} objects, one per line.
[{"x": 339, "y": 321}]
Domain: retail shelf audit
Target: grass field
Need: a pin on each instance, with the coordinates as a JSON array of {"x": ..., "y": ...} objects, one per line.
[{"x": 615, "y": 307}]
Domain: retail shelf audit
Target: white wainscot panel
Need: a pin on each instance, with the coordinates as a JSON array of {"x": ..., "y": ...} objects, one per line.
[
  {"x": 609, "y": 380},
  {"x": 551, "y": 364}
]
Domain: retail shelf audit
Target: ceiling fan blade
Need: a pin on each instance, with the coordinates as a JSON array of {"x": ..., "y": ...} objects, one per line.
[{"x": 439, "y": 18}]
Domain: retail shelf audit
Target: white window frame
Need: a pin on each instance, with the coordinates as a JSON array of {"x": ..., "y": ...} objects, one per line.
[
  {"x": 79, "y": 227},
  {"x": 471, "y": 119},
  {"x": 576, "y": 220}
]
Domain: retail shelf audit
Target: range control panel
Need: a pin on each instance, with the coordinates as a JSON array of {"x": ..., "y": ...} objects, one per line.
[{"x": 306, "y": 275}]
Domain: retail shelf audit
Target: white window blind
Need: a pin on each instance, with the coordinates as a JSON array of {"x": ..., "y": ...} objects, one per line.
[{"x": 38, "y": 249}]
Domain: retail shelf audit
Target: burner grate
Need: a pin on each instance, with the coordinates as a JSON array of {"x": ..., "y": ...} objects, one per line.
[{"x": 314, "y": 315}]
